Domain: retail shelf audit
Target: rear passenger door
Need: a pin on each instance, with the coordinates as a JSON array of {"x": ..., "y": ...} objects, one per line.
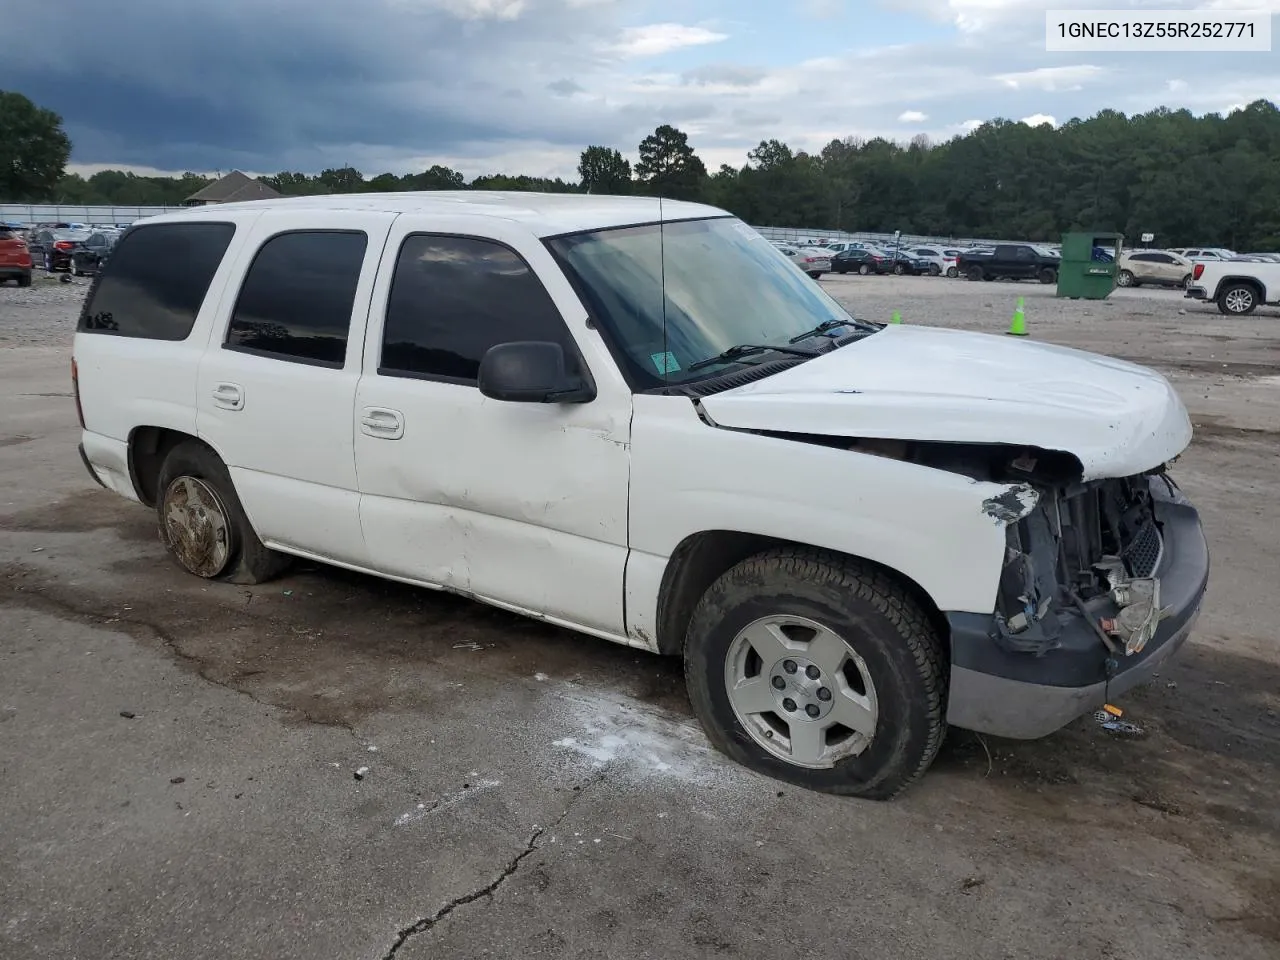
[
  {"x": 523, "y": 504},
  {"x": 277, "y": 384}
]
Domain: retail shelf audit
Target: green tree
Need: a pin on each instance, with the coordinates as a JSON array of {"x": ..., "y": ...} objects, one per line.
[
  {"x": 436, "y": 178},
  {"x": 604, "y": 170},
  {"x": 33, "y": 150},
  {"x": 668, "y": 166}
]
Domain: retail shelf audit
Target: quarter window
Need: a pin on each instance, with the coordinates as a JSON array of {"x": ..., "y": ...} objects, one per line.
[
  {"x": 295, "y": 303},
  {"x": 452, "y": 298},
  {"x": 156, "y": 280}
]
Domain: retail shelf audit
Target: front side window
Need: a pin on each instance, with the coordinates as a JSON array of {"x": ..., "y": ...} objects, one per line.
[
  {"x": 295, "y": 303},
  {"x": 156, "y": 280},
  {"x": 452, "y": 298},
  {"x": 670, "y": 295}
]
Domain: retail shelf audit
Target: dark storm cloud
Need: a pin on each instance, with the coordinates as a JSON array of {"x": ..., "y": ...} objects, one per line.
[{"x": 258, "y": 84}]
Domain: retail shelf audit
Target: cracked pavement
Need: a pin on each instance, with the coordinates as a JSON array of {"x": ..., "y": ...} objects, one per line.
[{"x": 179, "y": 759}]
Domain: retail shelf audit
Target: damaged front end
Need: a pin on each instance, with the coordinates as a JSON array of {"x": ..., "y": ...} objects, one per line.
[{"x": 1088, "y": 550}]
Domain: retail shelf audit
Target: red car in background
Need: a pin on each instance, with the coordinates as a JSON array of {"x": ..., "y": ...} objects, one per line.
[{"x": 15, "y": 258}]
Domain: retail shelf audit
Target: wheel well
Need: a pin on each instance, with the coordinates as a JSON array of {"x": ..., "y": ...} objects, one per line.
[
  {"x": 704, "y": 557},
  {"x": 148, "y": 446},
  {"x": 1244, "y": 281}
]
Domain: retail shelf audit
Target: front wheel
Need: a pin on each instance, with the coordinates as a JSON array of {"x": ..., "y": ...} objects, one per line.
[
  {"x": 1238, "y": 299},
  {"x": 202, "y": 523},
  {"x": 935, "y": 270},
  {"x": 899, "y": 269},
  {"x": 818, "y": 670},
  {"x": 864, "y": 270},
  {"x": 1124, "y": 279}
]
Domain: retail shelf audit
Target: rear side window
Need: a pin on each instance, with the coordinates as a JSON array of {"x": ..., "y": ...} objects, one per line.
[
  {"x": 296, "y": 300},
  {"x": 156, "y": 281},
  {"x": 452, "y": 298}
]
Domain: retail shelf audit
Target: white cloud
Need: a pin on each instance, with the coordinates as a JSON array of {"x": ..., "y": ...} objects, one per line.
[
  {"x": 659, "y": 38},
  {"x": 474, "y": 9},
  {"x": 1036, "y": 119},
  {"x": 912, "y": 116},
  {"x": 823, "y": 9},
  {"x": 1176, "y": 86},
  {"x": 1053, "y": 78}
]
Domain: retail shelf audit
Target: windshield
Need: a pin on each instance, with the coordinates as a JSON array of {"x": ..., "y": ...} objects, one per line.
[{"x": 724, "y": 286}]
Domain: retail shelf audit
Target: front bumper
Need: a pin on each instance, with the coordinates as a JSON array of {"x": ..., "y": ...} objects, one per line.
[{"x": 1023, "y": 696}]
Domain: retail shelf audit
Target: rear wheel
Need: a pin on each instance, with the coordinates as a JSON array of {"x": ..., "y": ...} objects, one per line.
[
  {"x": 899, "y": 269},
  {"x": 203, "y": 524},
  {"x": 818, "y": 670},
  {"x": 952, "y": 273},
  {"x": 24, "y": 280},
  {"x": 1185, "y": 282},
  {"x": 1048, "y": 275},
  {"x": 1238, "y": 299},
  {"x": 814, "y": 274},
  {"x": 975, "y": 272}
]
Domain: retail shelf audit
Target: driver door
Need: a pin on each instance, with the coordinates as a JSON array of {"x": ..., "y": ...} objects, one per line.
[{"x": 519, "y": 504}]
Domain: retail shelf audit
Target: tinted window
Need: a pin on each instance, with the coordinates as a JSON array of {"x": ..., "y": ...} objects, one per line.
[
  {"x": 452, "y": 298},
  {"x": 295, "y": 303},
  {"x": 157, "y": 279}
]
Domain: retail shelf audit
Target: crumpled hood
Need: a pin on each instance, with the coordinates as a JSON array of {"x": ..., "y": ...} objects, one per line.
[{"x": 927, "y": 383}]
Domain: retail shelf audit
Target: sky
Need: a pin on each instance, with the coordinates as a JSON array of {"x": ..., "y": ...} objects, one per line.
[{"x": 522, "y": 86}]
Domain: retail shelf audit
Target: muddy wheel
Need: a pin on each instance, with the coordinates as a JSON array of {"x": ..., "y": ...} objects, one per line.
[
  {"x": 202, "y": 523},
  {"x": 818, "y": 670}
]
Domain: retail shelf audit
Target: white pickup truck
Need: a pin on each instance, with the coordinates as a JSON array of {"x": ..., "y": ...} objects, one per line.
[{"x": 1237, "y": 286}]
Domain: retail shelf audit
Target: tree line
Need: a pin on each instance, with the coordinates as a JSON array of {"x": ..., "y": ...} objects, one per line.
[{"x": 1210, "y": 180}]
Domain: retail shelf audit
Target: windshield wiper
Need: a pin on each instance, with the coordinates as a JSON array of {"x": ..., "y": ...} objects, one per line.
[
  {"x": 748, "y": 349},
  {"x": 828, "y": 325}
]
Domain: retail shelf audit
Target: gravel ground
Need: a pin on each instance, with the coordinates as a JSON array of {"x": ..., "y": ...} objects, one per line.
[{"x": 179, "y": 760}]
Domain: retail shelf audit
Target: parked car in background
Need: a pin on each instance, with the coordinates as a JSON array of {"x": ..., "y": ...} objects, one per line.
[
  {"x": 1158, "y": 267},
  {"x": 52, "y": 247},
  {"x": 15, "y": 258},
  {"x": 1272, "y": 257},
  {"x": 92, "y": 254},
  {"x": 1203, "y": 253},
  {"x": 905, "y": 261},
  {"x": 812, "y": 260},
  {"x": 1238, "y": 288},
  {"x": 940, "y": 261},
  {"x": 1010, "y": 261},
  {"x": 861, "y": 260}
]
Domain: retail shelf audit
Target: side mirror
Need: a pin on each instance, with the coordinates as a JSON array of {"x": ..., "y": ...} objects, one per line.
[{"x": 531, "y": 371}]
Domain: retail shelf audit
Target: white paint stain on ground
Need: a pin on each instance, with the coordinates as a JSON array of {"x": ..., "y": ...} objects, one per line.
[
  {"x": 639, "y": 740},
  {"x": 541, "y": 677},
  {"x": 449, "y": 800}
]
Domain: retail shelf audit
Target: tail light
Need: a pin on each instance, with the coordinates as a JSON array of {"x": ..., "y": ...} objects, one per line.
[
  {"x": 63, "y": 245},
  {"x": 1197, "y": 271},
  {"x": 810, "y": 259},
  {"x": 75, "y": 389}
]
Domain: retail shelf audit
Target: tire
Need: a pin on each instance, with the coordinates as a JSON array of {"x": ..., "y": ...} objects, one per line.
[
  {"x": 1125, "y": 279},
  {"x": 842, "y": 272},
  {"x": 1238, "y": 299},
  {"x": 1185, "y": 282},
  {"x": 814, "y": 275},
  {"x": 899, "y": 269},
  {"x": 935, "y": 271},
  {"x": 226, "y": 546},
  {"x": 1048, "y": 275},
  {"x": 876, "y": 631},
  {"x": 952, "y": 273},
  {"x": 864, "y": 270},
  {"x": 24, "y": 279},
  {"x": 975, "y": 273}
]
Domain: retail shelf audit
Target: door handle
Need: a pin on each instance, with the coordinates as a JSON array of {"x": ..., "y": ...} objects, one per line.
[
  {"x": 229, "y": 396},
  {"x": 381, "y": 422}
]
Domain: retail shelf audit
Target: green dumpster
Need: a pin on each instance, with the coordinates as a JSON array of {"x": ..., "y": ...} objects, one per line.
[{"x": 1089, "y": 265}]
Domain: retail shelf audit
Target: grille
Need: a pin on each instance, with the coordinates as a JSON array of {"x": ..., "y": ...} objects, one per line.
[{"x": 1142, "y": 555}]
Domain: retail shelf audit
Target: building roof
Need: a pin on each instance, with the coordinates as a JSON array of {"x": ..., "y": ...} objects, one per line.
[
  {"x": 543, "y": 214},
  {"x": 233, "y": 188}
]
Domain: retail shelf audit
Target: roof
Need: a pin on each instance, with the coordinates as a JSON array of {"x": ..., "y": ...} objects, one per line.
[
  {"x": 233, "y": 188},
  {"x": 544, "y": 214}
]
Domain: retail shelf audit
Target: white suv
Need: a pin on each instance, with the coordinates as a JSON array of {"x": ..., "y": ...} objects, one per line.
[{"x": 637, "y": 419}]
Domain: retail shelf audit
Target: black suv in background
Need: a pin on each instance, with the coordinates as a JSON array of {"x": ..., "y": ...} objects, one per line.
[
  {"x": 88, "y": 258},
  {"x": 1010, "y": 261}
]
